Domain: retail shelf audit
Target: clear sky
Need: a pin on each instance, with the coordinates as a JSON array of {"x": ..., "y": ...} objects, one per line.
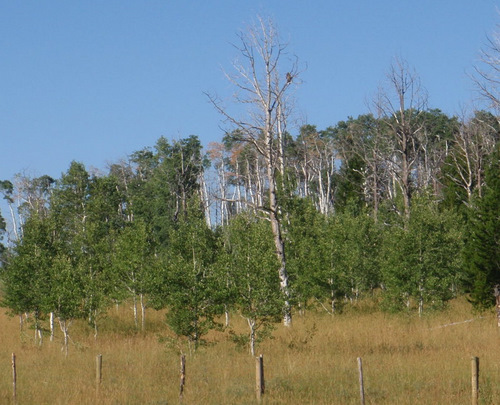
[{"x": 94, "y": 80}]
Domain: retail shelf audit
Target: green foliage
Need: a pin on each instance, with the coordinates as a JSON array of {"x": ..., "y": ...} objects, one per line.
[
  {"x": 186, "y": 282},
  {"x": 350, "y": 184},
  {"x": 7, "y": 188},
  {"x": 85, "y": 211},
  {"x": 331, "y": 258},
  {"x": 247, "y": 266},
  {"x": 454, "y": 194},
  {"x": 421, "y": 262},
  {"x": 166, "y": 180},
  {"x": 87, "y": 240},
  {"x": 354, "y": 246},
  {"x": 309, "y": 252},
  {"x": 132, "y": 259},
  {"x": 482, "y": 254},
  {"x": 67, "y": 291},
  {"x": 26, "y": 281},
  {"x": 464, "y": 166},
  {"x": 355, "y": 140}
]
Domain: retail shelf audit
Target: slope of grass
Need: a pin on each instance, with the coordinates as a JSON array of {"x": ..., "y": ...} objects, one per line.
[{"x": 406, "y": 360}]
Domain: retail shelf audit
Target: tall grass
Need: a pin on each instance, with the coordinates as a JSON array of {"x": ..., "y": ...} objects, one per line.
[{"x": 406, "y": 360}]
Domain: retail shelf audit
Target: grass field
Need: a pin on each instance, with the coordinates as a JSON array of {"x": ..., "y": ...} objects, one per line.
[{"x": 406, "y": 360}]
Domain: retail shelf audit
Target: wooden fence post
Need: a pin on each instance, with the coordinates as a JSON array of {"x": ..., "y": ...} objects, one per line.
[
  {"x": 259, "y": 377},
  {"x": 361, "y": 382},
  {"x": 475, "y": 380},
  {"x": 14, "y": 379},
  {"x": 183, "y": 376},
  {"x": 98, "y": 372}
]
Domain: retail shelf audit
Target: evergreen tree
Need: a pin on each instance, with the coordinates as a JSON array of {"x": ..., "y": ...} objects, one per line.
[{"x": 482, "y": 254}]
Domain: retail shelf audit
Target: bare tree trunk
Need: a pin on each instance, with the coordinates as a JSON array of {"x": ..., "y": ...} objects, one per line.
[
  {"x": 38, "y": 330},
  {"x": 375, "y": 194},
  {"x": 143, "y": 312},
  {"x": 51, "y": 322},
  {"x": 205, "y": 199},
  {"x": 261, "y": 85},
  {"x": 277, "y": 234},
  {"x": 226, "y": 316},
  {"x": 420, "y": 301},
  {"x": 251, "y": 324},
  {"x": 96, "y": 329},
  {"x": 21, "y": 324},
  {"x": 405, "y": 101},
  {"x": 134, "y": 308},
  {"x": 64, "y": 324},
  {"x": 283, "y": 275}
]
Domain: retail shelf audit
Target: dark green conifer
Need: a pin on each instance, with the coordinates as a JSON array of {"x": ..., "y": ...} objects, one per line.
[{"x": 482, "y": 253}]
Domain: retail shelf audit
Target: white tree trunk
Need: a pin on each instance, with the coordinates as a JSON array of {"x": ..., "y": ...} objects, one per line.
[
  {"x": 51, "y": 322},
  {"x": 143, "y": 312},
  {"x": 64, "y": 324},
  {"x": 251, "y": 324}
]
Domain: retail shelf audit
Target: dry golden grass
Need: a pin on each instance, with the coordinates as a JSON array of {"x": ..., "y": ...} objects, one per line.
[{"x": 405, "y": 360}]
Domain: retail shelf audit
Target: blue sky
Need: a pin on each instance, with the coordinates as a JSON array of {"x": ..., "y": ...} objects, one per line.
[{"x": 94, "y": 81}]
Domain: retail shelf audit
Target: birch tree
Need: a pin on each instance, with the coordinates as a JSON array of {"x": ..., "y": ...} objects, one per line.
[{"x": 263, "y": 86}]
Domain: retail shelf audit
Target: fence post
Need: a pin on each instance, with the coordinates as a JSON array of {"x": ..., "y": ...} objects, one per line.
[
  {"x": 259, "y": 377},
  {"x": 361, "y": 382},
  {"x": 14, "y": 379},
  {"x": 98, "y": 372},
  {"x": 475, "y": 380},
  {"x": 183, "y": 376}
]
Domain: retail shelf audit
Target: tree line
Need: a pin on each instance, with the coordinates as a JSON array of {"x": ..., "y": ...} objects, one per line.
[{"x": 401, "y": 204}]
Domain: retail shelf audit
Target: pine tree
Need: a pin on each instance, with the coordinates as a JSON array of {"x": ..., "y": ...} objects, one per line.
[{"x": 483, "y": 247}]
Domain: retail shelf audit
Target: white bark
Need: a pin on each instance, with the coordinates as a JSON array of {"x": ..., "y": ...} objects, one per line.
[
  {"x": 51, "y": 322},
  {"x": 143, "y": 312},
  {"x": 64, "y": 325},
  {"x": 251, "y": 324},
  {"x": 263, "y": 87},
  {"x": 403, "y": 100}
]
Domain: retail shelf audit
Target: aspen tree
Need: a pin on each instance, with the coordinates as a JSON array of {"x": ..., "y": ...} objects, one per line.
[{"x": 264, "y": 88}]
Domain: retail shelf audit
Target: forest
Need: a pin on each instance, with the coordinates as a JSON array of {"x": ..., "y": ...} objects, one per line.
[{"x": 400, "y": 204}]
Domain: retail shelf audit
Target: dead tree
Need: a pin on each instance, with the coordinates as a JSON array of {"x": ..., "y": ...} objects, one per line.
[{"x": 263, "y": 87}]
